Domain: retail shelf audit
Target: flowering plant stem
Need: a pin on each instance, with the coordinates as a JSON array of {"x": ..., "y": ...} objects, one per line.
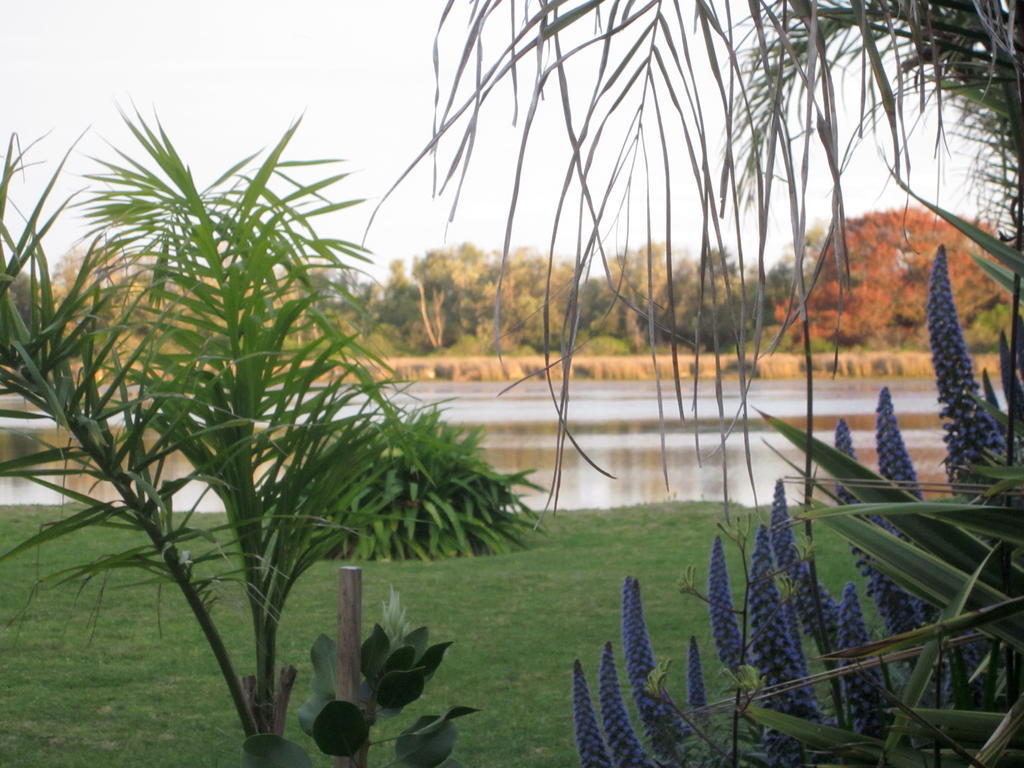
[{"x": 821, "y": 638}]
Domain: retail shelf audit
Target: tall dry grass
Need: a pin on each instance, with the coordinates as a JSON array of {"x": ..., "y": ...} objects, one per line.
[{"x": 640, "y": 367}]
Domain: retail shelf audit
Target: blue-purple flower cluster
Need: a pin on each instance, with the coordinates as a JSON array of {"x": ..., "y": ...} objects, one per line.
[
  {"x": 589, "y": 742},
  {"x": 861, "y": 689},
  {"x": 893, "y": 460},
  {"x": 664, "y": 728},
  {"x": 622, "y": 740},
  {"x": 844, "y": 443},
  {"x": 696, "y": 695},
  {"x": 970, "y": 431},
  {"x": 724, "y": 628},
  {"x": 900, "y": 611},
  {"x": 787, "y": 557},
  {"x": 776, "y": 652}
]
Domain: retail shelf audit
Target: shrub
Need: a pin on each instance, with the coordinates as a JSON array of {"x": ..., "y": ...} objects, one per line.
[
  {"x": 467, "y": 345},
  {"x": 441, "y": 498},
  {"x": 601, "y": 346}
]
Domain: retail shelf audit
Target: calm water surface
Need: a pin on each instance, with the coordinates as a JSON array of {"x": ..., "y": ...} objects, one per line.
[{"x": 617, "y": 426}]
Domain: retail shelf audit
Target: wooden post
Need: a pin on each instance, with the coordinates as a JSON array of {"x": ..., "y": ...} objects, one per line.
[{"x": 350, "y": 623}]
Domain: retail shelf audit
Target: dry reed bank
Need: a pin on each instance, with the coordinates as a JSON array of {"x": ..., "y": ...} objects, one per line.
[{"x": 640, "y": 367}]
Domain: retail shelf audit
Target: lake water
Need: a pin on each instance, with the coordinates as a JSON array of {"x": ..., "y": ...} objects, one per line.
[{"x": 617, "y": 426}]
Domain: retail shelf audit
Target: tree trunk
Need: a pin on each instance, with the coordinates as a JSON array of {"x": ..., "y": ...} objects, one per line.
[{"x": 435, "y": 329}]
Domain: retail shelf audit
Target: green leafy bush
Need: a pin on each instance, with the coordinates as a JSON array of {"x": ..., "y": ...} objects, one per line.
[
  {"x": 441, "y": 498},
  {"x": 396, "y": 665},
  {"x": 606, "y": 345}
]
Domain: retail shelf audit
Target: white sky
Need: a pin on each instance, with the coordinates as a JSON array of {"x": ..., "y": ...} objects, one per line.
[{"x": 227, "y": 77}]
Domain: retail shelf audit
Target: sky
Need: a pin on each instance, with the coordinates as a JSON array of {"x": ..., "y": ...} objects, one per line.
[{"x": 227, "y": 78}]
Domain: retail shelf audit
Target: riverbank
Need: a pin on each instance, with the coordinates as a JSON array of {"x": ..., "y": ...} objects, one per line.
[{"x": 640, "y": 368}]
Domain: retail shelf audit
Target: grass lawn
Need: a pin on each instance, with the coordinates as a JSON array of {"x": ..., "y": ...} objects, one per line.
[{"x": 117, "y": 675}]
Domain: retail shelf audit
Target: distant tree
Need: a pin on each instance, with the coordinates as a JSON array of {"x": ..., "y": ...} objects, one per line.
[
  {"x": 21, "y": 290},
  {"x": 882, "y": 302},
  {"x": 690, "y": 306},
  {"x": 449, "y": 295}
]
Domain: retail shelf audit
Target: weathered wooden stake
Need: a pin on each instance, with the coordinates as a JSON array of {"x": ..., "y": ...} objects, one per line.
[{"x": 350, "y": 622}]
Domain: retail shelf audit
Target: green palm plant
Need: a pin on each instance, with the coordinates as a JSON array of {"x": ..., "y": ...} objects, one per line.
[{"x": 194, "y": 326}]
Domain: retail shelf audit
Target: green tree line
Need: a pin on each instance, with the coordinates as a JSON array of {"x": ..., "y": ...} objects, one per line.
[
  {"x": 450, "y": 300},
  {"x": 444, "y": 302}
]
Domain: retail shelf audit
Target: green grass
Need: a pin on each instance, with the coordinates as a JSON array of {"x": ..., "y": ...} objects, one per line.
[{"x": 117, "y": 675}]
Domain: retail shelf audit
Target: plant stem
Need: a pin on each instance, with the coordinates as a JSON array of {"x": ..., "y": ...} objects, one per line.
[
  {"x": 213, "y": 639},
  {"x": 1006, "y": 563},
  {"x": 265, "y": 628},
  {"x": 821, "y": 637},
  {"x": 743, "y": 653},
  {"x": 177, "y": 570}
]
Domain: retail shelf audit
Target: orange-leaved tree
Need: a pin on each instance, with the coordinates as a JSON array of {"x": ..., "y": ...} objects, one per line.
[{"x": 882, "y": 304}]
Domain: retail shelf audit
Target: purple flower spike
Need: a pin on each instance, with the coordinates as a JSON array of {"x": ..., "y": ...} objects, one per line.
[
  {"x": 589, "y": 743},
  {"x": 844, "y": 443},
  {"x": 696, "y": 696},
  {"x": 893, "y": 459},
  {"x": 623, "y": 743},
  {"x": 775, "y": 649},
  {"x": 780, "y": 750},
  {"x": 900, "y": 611},
  {"x": 664, "y": 728},
  {"x": 788, "y": 560},
  {"x": 724, "y": 627},
  {"x": 861, "y": 690},
  {"x": 970, "y": 431}
]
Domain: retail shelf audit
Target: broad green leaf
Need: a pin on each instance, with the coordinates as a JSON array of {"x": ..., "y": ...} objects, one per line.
[
  {"x": 996, "y": 271},
  {"x": 265, "y": 750},
  {"x": 36, "y": 460},
  {"x": 400, "y": 687},
  {"x": 311, "y": 709},
  {"x": 971, "y": 728},
  {"x": 402, "y": 658},
  {"x": 427, "y": 750},
  {"x": 433, "y": 657},
  {"x": 1004, "y": 735},
  {"x": 994, "y": 521},
  {"x": 924, "y": 666},
  {"x": 418, "y": 639},
  {"x": 947, "y": 542},
  {"x": 927, "y": 575},
  {"x": 833, "y": 740},
  {"x": 943, "y": 628},
  {"x": 324, "y": 655},
  {"x": 6, "y": 413},
  {"x": 1006, "y": 253},
  {"x": 86, "y": 517},
  {"x": 436, "y": 723},
  {"x": 340, "y": 729},
  {"x": 374, "y": 653},
  {"x": 875, "y": 488}
]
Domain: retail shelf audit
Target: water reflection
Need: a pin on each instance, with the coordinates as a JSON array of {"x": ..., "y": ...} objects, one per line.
[{"x": 618, "y": 427}]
